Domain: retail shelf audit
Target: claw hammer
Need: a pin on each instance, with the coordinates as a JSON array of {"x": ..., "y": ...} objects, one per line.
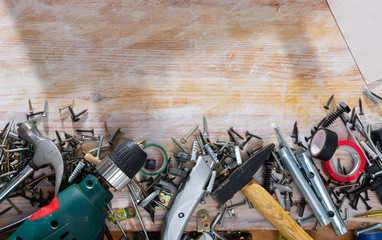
[
  {"x": 241, "y": 178},
  {"x": 45, "y": 153}
]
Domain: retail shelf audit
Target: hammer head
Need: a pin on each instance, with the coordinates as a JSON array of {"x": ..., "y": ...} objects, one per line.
[
  {"x": 242, "y": 175},
  {"x": 45, "y": 151}
]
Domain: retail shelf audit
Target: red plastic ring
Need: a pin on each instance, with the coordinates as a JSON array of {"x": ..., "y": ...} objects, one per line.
[{"x": 328, "y": 167}]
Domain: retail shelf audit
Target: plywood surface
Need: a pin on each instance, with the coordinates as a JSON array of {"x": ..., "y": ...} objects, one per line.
[{"x": 161, "y": 65}]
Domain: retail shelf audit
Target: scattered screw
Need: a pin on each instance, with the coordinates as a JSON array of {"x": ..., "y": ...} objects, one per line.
[
  {"x": 360, "y": 107},
  {"x": 184, "y": 140},
  {"x": 252, "y": 135},
  {"x": 14, "y": 206},
  {"x": 330, "y": 100},
  {"x": 359, "y": 231},
  {"x": 30, "y": 106},
  {"x": 305, "y": 220},
  {"x": 343, "y": 107},
  {"x": 85, "y": 131},
  {"x": 75, "y": 117},
  {"x": 236, "y": 133},
  {"x": 179, "y": 145}
]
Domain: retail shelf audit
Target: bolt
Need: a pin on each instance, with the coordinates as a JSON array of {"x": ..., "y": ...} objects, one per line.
[
  {"x": 179, "y": 145},
  {"x": 305, "y": 220},
  {"x": 330, "y": 100},
  {"x": 85, "y": 131},
  {"x": 359, "y": 231},
  {"x": 236, "y": 133},
  {"x": 184, "y": 140},
  {"x": 316, "y": 226}
]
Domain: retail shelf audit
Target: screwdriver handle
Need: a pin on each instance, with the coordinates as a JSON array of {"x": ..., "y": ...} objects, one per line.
[
  {"x": 92, "y": 159},
  {"x": 273, "y": 212}
]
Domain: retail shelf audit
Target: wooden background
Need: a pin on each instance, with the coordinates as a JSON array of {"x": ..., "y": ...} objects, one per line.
[{"x": 161, "y": 65}]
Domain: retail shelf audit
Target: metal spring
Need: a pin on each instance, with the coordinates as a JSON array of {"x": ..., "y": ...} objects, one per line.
[
  {"x": 76, "y": 171},
  {"x": 329, "y": 121},
  {"x": 370, "y": 95},
  {"x": 212, "y": 182},
  {"x": 369, "y": 150},
  {"x": 149, "y": 198}
]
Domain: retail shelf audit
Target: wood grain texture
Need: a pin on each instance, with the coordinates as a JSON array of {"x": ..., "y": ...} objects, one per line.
[{"x": 161, "y": 65}]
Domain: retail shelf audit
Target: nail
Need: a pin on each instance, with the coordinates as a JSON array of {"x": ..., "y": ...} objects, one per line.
[
  {"x": 330, "y": 100},
  {"x": 236, "y": 133}
]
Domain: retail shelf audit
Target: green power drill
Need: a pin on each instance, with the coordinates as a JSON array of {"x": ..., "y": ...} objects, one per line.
[{"x": 77, "y": 213}]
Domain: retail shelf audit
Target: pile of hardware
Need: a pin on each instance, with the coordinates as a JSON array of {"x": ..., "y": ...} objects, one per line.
[{"x": 202, "y": 168}]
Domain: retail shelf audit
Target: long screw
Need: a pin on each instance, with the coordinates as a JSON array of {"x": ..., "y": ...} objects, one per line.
[
  {"x": 236, "y": 133},
  {"x": 85, "y": 131},
  {"x": 357, "y": 232},
  {"x": 119, "y": 225},
  {"x": 360, "y": 107},
  {"x": 305, "y": 220},
  {"x": 137, "y": 211},
  {"x": 252, "y": 135},
  {"x": 30, "y": 106},
  {"x": 184, "y": 140},
  {"x": 330, "y": 100},
  {"x": 179, "y": 145},
  {"x": 14, "y": 206}
]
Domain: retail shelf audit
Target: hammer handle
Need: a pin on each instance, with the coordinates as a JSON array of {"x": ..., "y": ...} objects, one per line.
[{"x": 273, "y": 212}]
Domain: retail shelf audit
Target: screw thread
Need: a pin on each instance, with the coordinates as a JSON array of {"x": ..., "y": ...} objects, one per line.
[
  {"x": 76, "y": 171},
  {"x": 211, "y": 182},
  {"x": 366, "y": 147},
  {"x": 329, "y": 121},
  {"x": 370, "y": 95},
  {"x": 149, "y": 198},
  {"x": 268, "y": 180}
]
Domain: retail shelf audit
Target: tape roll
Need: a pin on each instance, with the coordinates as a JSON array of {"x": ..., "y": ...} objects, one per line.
[
  {"x": 164, "y": 157},
  {"x": 359, "y": 165},
  {"x": 323, "y": 144},
  {"x": 370, "y": 236}
]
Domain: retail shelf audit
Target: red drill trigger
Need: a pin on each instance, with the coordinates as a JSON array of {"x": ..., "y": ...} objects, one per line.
[{"x": 48, "y": 209}]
